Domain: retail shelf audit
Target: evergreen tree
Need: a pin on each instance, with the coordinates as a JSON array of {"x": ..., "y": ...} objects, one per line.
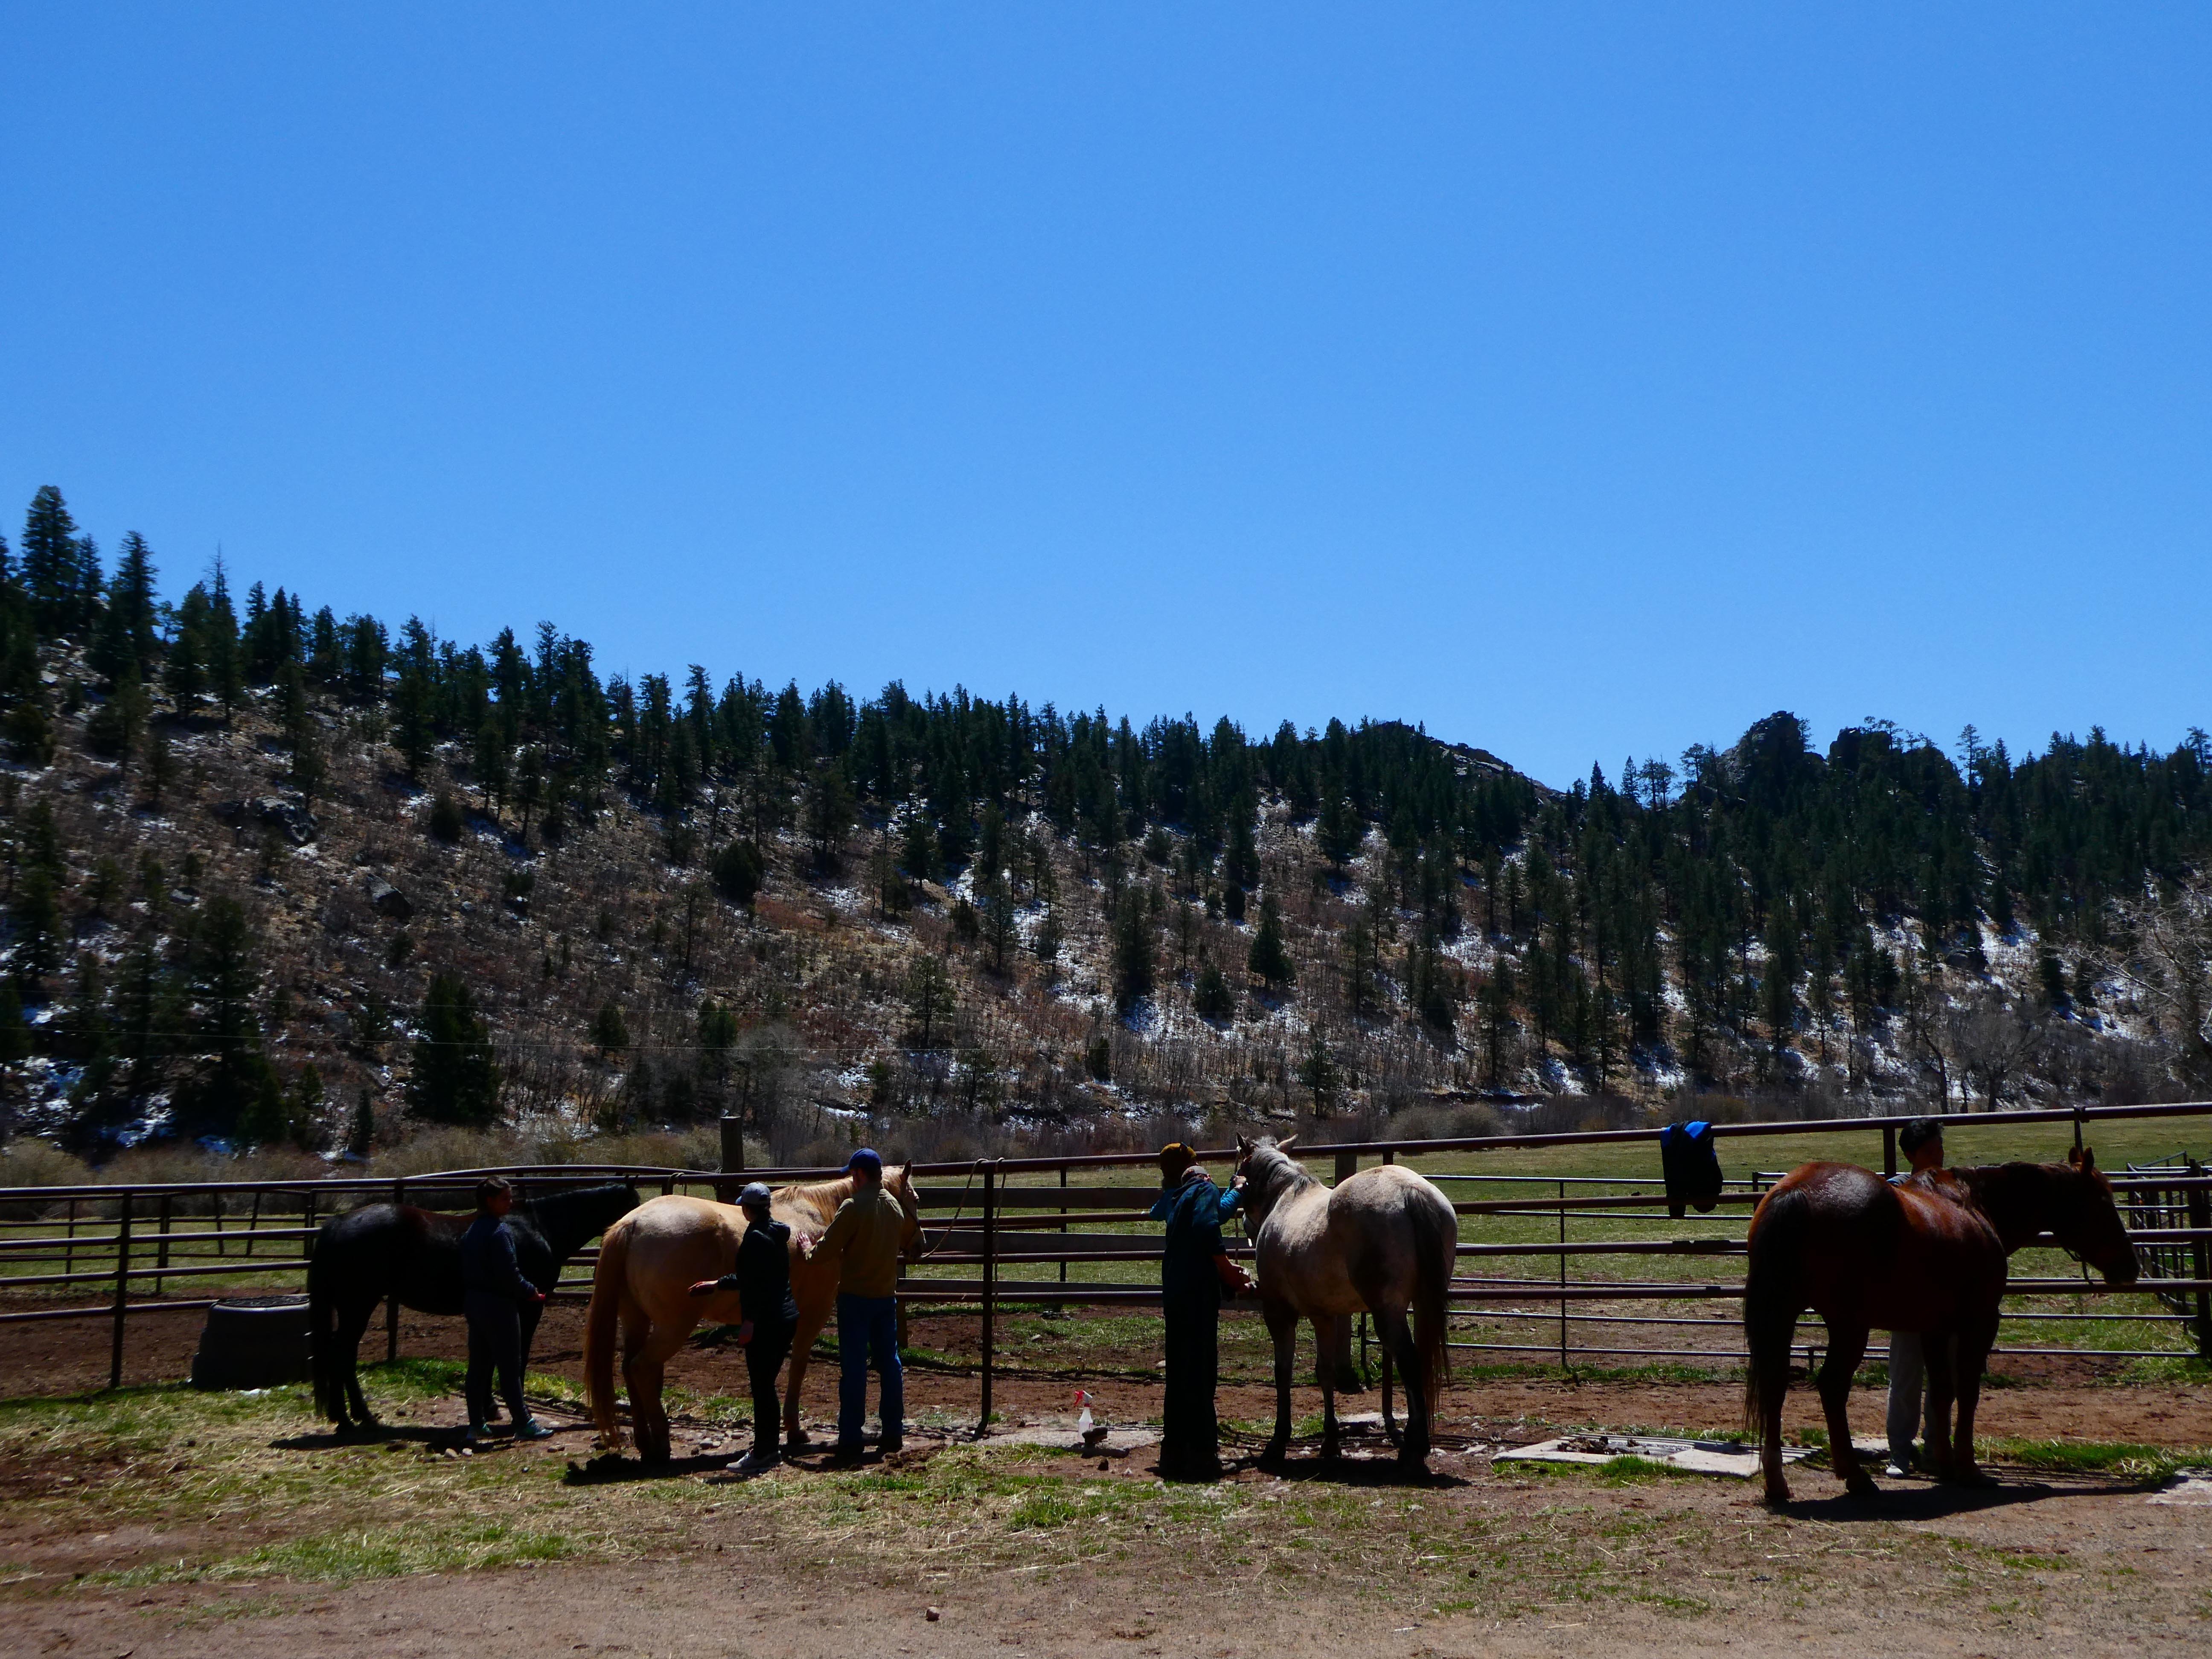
[
  {"x": 50, "y": 564},
  {"x": 1132, "y": 951},
  {"x": 1270, "y": 959},
  {"x": 609, "y": 1031},
  {"x": 737, "y": 873},
  {"x": 1212, "y": 999},
  {"x": 455, "y": 1078},
  {"x": 929, "y": 1003}
]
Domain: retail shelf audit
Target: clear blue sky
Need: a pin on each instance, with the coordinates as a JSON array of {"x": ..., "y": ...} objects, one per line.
[{"x": 1575, "y": 380}]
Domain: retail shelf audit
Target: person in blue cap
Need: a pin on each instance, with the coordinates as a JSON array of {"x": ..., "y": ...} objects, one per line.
[
  {"x": 1195, "y": 1270},
  {"x": 863, "y": 1238},
  {"x": 768, "y": 1316}
]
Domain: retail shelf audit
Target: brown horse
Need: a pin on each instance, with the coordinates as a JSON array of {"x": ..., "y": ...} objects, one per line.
[
  {"x": 648, "y": 1264},
  {"x": 1927, "y": 1254}
]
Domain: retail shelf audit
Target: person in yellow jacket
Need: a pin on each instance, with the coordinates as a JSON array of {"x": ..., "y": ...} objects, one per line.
[{"x": 864, "y": 1236}]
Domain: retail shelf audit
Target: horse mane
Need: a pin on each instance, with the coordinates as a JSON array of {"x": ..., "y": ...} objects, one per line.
[
  {"x": 2022, "y": 1200},
  {"x": 1275, "y": 1175},
  {"x": 822, "y": 1198},
  {"x": 575, "y": 1213}
]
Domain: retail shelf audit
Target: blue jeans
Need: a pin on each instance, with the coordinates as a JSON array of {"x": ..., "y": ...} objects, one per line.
[{"x": 867, "y": 1336}]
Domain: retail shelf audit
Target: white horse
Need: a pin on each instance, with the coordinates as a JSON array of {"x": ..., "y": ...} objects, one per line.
[{"x": 1385, "y": 1241}]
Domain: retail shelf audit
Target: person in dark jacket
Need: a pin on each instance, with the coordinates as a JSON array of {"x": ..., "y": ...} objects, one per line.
[
  {"x": 492, "y": 1294},
  {"x": 769, "y": 1316},
  {"x": 1190, "y": 1284}
]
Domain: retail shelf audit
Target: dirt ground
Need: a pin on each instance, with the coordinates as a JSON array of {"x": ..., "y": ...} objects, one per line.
[
  {"x": 1472, "y": 1561},
  {"x": 167, "y": 1523}
]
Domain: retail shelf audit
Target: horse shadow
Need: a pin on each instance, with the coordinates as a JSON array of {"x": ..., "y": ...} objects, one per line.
[
  {"x": 1937, "y": 1501},
  {"x": 383, "y": 1434},
  {"x": 612, "y": 1469},
  {"x": 1350, "y": 1471}
]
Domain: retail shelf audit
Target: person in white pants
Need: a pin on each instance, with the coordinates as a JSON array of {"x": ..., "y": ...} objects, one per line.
[{"x": 1921, "y": 1140}]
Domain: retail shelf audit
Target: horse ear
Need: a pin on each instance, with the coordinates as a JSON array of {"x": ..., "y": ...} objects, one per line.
[
  {"x": 2073, "y": 1156},
  {"x": 1286, "y": 1143},
  {"x": 2089, "y": 1159},
  {"x": 1243, "y": 1143}
]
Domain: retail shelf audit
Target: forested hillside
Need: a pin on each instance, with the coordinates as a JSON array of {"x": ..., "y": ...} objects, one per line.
[{"x": 275, "y": 875}]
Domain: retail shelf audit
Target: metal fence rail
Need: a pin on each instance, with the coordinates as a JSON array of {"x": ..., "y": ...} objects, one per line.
[{"x": 1025, "y": 1214}]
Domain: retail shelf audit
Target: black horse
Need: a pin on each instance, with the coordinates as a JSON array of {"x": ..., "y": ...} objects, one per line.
[{"x": 414, "y": 1257}]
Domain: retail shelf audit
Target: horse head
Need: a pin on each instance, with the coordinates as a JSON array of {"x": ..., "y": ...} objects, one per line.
[
  {"x": 2086, "y": 1218},
  {"x": 1268, "y": 1170},
  {"x": 899, "y": 1182}
]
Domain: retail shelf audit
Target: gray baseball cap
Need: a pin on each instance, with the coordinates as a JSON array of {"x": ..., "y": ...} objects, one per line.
[{"x": 755, "y": 1196}]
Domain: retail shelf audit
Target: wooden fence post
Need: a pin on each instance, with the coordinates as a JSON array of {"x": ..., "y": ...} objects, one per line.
[
  {"x": 253, "y": 1221},
  {"x": 162, "y": 1256},
  {"x": 122, "y": 1288},
  {"x": 1059, "y": 1307},
  {"x": 215, "y": 1200},
  {"x": 2200, "y": 1216},
  {"x": 990, "y": 1283},
  {"x": 391, "y": 1301},
  {"x": 1889, "y": 1149},
  {"x": 68, "y": 1253}
]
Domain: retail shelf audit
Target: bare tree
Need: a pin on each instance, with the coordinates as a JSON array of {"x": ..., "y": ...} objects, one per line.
[
  {"x": 1990, "y": 1040},
  {"x": 2162, "y": 951}
]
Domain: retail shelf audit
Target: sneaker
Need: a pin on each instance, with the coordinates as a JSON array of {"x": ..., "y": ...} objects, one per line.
[
  {"x": 475, "y": 1435},
  {"x": 754, "y": 1462},
  {"x": 892, "y": 1443},
  {"x": 531, "y": 1429}
]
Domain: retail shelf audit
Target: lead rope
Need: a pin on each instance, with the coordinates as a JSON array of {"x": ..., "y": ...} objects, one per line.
[{"x": 945, "y": 1232}]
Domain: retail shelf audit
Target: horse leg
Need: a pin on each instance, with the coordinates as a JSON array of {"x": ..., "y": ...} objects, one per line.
[
  {"x": 643, "y": 1372},
  {"x": 1939, "y": 1350},
  {"x": 1389, "y": 1421},
  {"x": 345, "y": 1388},
  {"x": 1328, "y": 1329},
  {"x": 811, "y": 1320},
  {"x": 1971, "y": 1358},
  {"x": 1283, "y": 1329},
  {"x": 1846, "y": 1347},
  {"x": 1397, "y": 1337}
]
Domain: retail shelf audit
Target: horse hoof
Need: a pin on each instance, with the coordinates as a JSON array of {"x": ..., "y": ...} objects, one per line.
[
  {"x": 1968, "y": 1474},
  {"x": 1777, "y": 1493},
  {"x": 1862, "y": 1487},
  {"x": 1275, "y": 1452},
  {"x": 796, "y": 1438}
]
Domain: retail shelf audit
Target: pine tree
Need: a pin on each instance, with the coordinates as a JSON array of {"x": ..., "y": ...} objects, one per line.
[
  {"x": 1269, "y": 959},
  {"x": 50, "y": 553},
  {"x": 929, "y": 1002},
  {"x": 455, "y": 1078},
  {"x": 1132, "y": 951},
  {"x": 736, "y": 872},
  {"x": 609, "y": 1031},
  {"x": 1212, "y": 999}
]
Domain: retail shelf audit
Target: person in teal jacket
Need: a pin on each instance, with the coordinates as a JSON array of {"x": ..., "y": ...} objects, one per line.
[{"x": 1191, "y": 1286}]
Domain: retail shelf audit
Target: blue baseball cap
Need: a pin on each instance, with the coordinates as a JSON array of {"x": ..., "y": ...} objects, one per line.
[{"x": 864, "y": 1157}]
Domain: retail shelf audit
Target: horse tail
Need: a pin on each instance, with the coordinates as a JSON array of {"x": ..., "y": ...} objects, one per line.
[
  {"x": 1436, "y": 1252},
  {"x": 322, "y": 1330},
  {"x": 609, "y": 1279},
  {"x": 1780, "y": 1236}
]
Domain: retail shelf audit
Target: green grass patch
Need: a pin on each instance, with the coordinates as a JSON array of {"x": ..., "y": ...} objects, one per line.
[{"x": 2095, "y": 1457}]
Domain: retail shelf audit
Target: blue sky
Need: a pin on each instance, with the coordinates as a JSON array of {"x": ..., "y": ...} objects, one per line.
[{"x": 1578, "y": 380}]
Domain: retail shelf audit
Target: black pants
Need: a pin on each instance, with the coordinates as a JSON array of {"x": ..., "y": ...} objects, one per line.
[
  {"x": 1190, "y": 1444},
  {"x": 764, "y": 1356},
  {"x": 494, "y": 1344}
]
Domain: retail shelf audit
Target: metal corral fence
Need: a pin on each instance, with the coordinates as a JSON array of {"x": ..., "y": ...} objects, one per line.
[{"x": 1059, "y": 1231}]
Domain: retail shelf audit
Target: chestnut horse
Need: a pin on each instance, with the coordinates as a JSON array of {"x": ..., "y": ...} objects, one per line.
[
  {"x": 1926, "y": 1254},
  {"x": 1384, "y": 1241},
  {"x": 648, "y": 1264}
]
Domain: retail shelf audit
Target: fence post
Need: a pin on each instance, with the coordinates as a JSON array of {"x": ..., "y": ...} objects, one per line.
[
  {"x": 2200, "y": 1216},
  {"x": 122, "y": 1288},
  {"x": 391, "y": 1301},
  {"x": 1059, "y": 1307},
  {"x": 990, "y": 1283},
  {"x": 215, "y": 1200},
  {"x": 308, "y": 1226},
  {"x": 161, "y": 1257},
  {"x": 253, "y": 1221},
  {"x": 1347, "y": 1165},
  {"x": 1889, "y": 1150},
  {"x": 1563, "y": 1276},
  {"x": 68, "y": 1253}
]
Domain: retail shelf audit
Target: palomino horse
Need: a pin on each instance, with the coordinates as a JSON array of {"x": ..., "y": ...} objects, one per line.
[
  {"x": 1383, "y": 1241},
  {"x": 1927, "y": 1255},
  {"x": 648, "y": 1264},
  {"x": 414, "y": 1257}
]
